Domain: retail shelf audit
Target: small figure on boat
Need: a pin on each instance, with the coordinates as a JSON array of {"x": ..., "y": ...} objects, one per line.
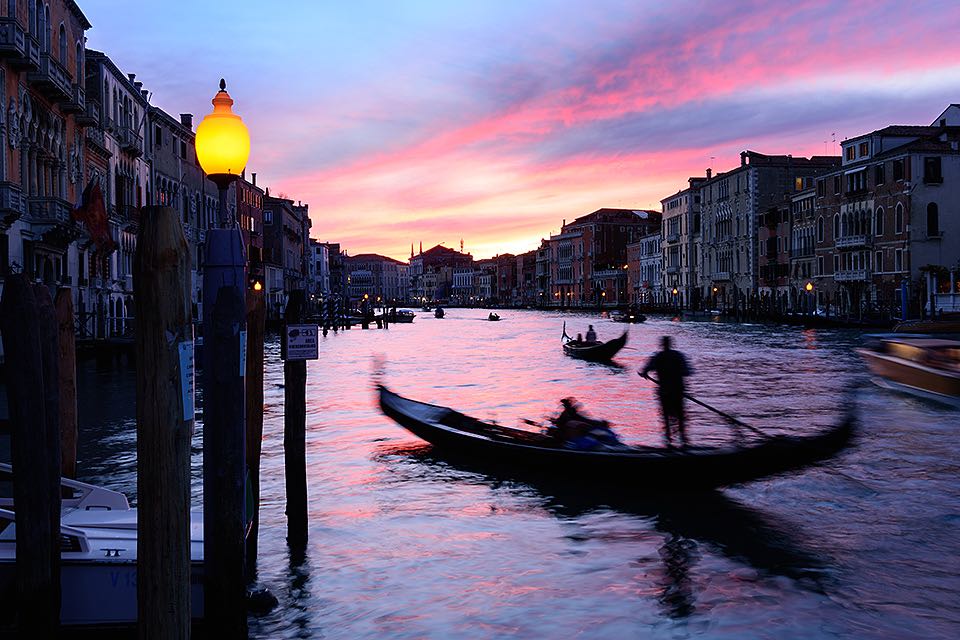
[
  {"x": 579, "y": 339},
  {"x": 574, "y": 430},
  {"x": 671, "y": 367},
  {"x": 591, "y": 334}
]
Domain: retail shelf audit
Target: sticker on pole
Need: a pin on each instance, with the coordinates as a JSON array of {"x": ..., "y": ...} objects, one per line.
[
  {"x": 185, "y": 351},
  {"x": 301, "y": 342}
]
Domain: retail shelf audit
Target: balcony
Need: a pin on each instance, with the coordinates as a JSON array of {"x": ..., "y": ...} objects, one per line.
[
  {"x": 77, "y": 102},
  {"x": 12, "y": 39},
  {"x": 95, "y": 136},
  {"x": 50, "y": 217},
  {"x": 90, "y": 116},
  {"x": 850, "y": 242},
  {"x": 851, "y": 275},
  {"x": 721, "y": 276},
  {"x": 11, "y": 203},
  {"x": 673, "y": 237},
  {"x": 131, "y": 141},
  {"x": 51, "y": 79}
]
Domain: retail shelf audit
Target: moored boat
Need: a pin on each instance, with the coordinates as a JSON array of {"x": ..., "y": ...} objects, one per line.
[
  {"x": 493, "y": 317},
  {"x": 644, "y": 468},
  {"x": 927, "y": 367},
  {"x": 98, "y": 555},
  {"x": 438, "y": 312}
]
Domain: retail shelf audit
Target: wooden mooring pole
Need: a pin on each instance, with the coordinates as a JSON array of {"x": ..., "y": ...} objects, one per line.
[
  {"x": 37, "y": 500},
  {"x": 63, "y": 303},
  {"x": 295, "y": 433},
  {"x": 165, "y": 414},
  {"x": 256, "y": 315},
  {"x": 50, "y": 359}
]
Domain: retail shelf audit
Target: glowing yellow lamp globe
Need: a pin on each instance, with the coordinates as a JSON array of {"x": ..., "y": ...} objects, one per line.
[{"x": 223, "y": 142}]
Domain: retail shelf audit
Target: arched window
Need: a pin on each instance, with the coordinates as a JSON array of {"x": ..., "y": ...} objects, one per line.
[
  {"x": 898, "y": 219},
  {"x": 878, "y": 222},
  {"x": 933, "y": 220},
  {"x": 79, "y": 62},
  {"x": 836, "y": 225},
  {"x": 63, "y": 45},
  {"x": 820, "y": 229}
]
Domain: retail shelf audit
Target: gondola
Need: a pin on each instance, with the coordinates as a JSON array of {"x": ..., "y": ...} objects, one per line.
[
  {"x": 644, "y": 468},
  {"x": 592, "y": 351},
  {"x": 493, "y": 317},
  {"x": 438, "y": 312}
]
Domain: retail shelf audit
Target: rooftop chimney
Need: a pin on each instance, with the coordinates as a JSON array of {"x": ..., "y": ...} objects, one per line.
[
  {"x": 143, "y": 92},
  {"x": 131, "y": 76},
  {"x": 254, "y": 177},
  {"x": 186, "y": 119},
  {"x": 743, "y": 158},
  {"x": 709, "y": 173},
  {"x": 138, "y": 85}
]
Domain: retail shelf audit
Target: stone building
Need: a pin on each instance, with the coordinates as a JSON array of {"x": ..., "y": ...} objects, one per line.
[
  {"x": 889, "y": 219},
  {"x": 589, "y": 256},
  {"x": 431, "y": 272},
  {"x": 43, "y": 111},
  {"x": 382, "y": 278},
  {"x": 682, "y": 243},
  {"x": 126, "y": 185},
  {"x": 731, "y": 204},
  {"x": 286, "y": 239}
]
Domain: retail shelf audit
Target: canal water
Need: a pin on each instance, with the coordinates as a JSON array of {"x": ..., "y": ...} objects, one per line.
[{"x": 404, "y": 544}]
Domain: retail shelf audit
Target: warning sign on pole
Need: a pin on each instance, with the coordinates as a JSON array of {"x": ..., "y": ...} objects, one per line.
[{"x": 300, "y": 342}]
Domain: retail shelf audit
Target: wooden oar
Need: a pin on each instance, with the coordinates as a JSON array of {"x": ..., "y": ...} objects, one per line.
[{"x": 736, "y": 421}]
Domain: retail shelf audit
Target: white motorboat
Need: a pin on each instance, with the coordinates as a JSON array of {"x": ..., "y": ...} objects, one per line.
[{"x": 98, "y": 561}]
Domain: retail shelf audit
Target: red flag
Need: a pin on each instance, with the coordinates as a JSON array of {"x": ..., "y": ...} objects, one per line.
[{"x": 93, "y": 213}]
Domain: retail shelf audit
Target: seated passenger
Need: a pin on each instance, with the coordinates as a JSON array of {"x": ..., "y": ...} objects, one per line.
[{"x": 591, "y": 334}]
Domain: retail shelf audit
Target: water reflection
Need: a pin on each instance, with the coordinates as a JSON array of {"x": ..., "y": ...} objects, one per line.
[{"x": 685, "y": 521}]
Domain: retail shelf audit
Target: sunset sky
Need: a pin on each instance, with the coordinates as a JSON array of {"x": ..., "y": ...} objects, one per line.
[{"x": 493, "y": 120}]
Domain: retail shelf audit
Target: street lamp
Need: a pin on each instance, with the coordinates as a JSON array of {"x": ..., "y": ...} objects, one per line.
[
  {"x": 809, "y": 289},
  {"x": 223, "y": 147},
  {"x": 676, "y": 299}
]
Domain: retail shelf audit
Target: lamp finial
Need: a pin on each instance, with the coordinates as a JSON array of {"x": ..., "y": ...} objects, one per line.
[{"x": 223, "y": 84}]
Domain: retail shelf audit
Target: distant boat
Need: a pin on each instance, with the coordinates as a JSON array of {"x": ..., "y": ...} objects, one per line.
[
  {"x": 403, "y": 315},
  {"x": 642, "y": 469},
  {"x": 923, "y": 366},
  {"x": 596, "y": 351},
  {"x": 628, "y": 316},
  {"x": 438, "y": 313},
  {"x": 493, "y": 317}
]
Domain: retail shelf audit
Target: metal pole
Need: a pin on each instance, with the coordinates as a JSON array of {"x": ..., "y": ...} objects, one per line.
[{"x": 224, "y": 369}]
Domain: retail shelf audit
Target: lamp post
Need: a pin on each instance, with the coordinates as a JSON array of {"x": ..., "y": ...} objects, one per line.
[
  {"x": 223, "y": 147},
  {"x": 809, "y": 289},
  {"x": 676, "y": 299}
]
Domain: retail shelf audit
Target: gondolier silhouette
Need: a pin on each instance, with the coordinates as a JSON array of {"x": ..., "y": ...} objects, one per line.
[{"x": 671, "y": 367}]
